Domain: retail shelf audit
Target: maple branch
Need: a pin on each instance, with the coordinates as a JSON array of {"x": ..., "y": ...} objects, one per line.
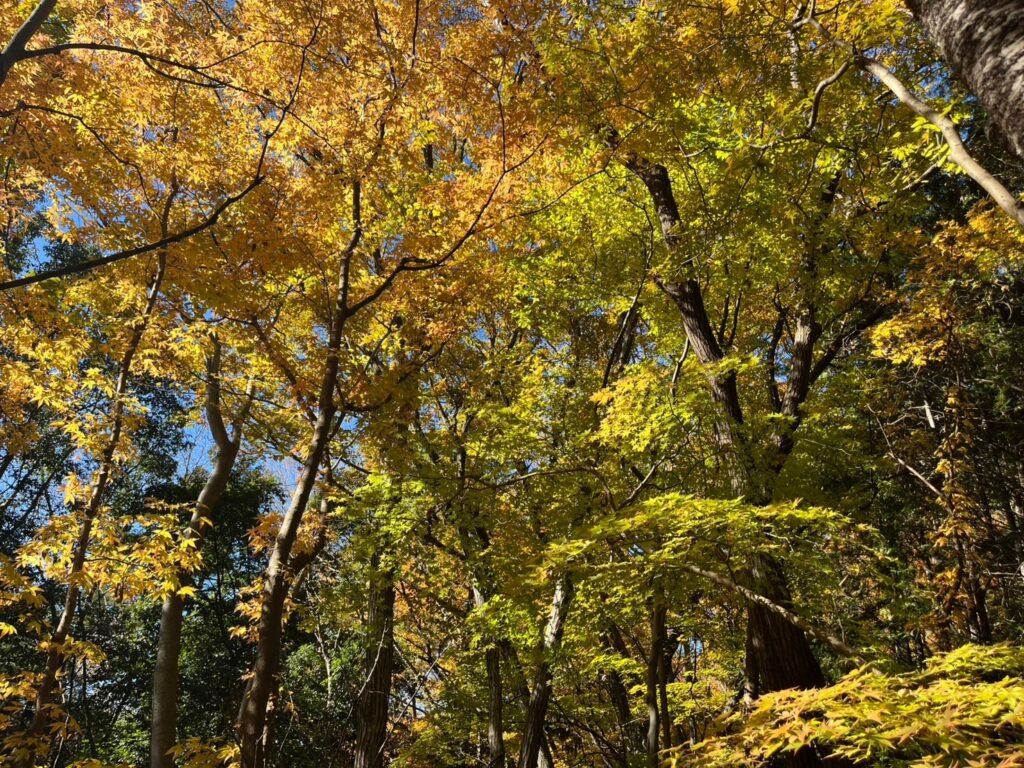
[
  {"x": 209, "y": 221},
  {"x": 15, "y": 49},
  {"x": 86, "y": 266},
  {"x": 214, "y": 416},
  {"x": 958, "y": 152}
]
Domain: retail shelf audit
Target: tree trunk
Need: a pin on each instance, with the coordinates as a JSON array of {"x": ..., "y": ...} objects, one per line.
[
  {"x": 982, "y": 41},
  {"x": 163, "y": 732},
  {"x": 669, "y": 644},
  {"x": 495, "y": 694},
  {"x": 371, "y": 729},
  {"x": 55, "y": 657},
  {"x": 654, "y": 662},
  {"x": 164, "y": 725},
  {"x": 252, "y": 715},
  {"x": 783, "y": 655},
  {"x": 495, "y": 716},
  {"x": 540, "y": 693},
  {"x": 629, "y": 737},
  {"x": 781, "y": 651}
]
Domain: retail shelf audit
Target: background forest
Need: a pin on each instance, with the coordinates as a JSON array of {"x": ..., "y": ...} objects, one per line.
[{"x": 536, "y": 383}]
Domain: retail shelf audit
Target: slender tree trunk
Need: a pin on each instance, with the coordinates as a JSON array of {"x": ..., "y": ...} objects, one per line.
[
  {"x": 982, "y": 41},
  {"x": 653, "y": 678},
  {"x": 164, "y": 725},
  {"x": 540, "y": 693},
  {"x": 495, "y": 715},
  {"x": 495, "y": 697},
  {"x": 55, "y": 657},
  {"x": 668, "y": 651},
  {"x": 252, "y": 715},
  {"x": 629, "y": 739},
  {"x": 371, "y": 729}
]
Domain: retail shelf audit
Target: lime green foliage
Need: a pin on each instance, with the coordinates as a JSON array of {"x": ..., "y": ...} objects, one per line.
[{"x": 965, "y": 708}]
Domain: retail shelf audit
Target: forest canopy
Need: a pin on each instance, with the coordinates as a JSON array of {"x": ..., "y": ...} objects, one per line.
[{"x": 511, "y": 383}]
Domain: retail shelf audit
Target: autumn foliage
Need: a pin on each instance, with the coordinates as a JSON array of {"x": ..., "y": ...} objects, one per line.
[{"x": 486, "y": 383}]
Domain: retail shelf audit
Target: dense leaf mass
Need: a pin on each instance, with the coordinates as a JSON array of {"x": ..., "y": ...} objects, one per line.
[{"x": 493, "y": 383}]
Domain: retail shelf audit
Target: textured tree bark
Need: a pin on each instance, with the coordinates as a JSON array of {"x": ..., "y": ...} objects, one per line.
[
  {"x": 540, "y": 693},
  {"x": 521, "y": 690},
  {"x": 777, "y": 644},
  {"x": 372, "y": 720},
  {"x": 495, "y": 698},
  {"x": 982, "y": 41}
]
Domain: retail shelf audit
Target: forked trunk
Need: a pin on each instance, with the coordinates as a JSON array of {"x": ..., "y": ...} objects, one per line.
[{"x": 164, "y": 725}]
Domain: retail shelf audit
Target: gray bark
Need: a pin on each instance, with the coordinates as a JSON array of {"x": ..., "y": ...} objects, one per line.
[
  {"x": 982, "y": 41},
  {"x": 540, "y": 693}
]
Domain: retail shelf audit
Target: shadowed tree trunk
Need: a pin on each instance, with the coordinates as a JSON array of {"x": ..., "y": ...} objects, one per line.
[
  {"x": 654, "y": 663},
  {"x": 252, "y": 714},
  {"x": 495, "y": 694},
  {"x": 495, "y": 716},
  {"x": 982, "y": 41},
  {"x": 630, "y": 732},
  {"x": 372, "y": 726},
  {"x": 782, "y": 654}
]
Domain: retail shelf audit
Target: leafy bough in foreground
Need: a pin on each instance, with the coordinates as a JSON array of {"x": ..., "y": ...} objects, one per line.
[{"x": 965, "y": 708}]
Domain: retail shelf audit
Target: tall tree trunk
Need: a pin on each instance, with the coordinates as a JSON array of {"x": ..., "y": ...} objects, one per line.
[
  {"x": 654, "y": 661},
  {"x": 669, "y": 645},
  {"x": 629, "y": 738},
  {"x": 252, "y": 715},
  {"x": 164, "y": 724},
  {"x": 784, "y": 658},
  {"x": 540, "y": 693},
  {"x": 781, "y": 654},
  {"x": 495, "y": 696},
  {"x": 372, "y": 725},
  {"x": 495, "y": 715},
  {"x": 982, "y": 41},
  {"x": 779, "y": 647}
]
